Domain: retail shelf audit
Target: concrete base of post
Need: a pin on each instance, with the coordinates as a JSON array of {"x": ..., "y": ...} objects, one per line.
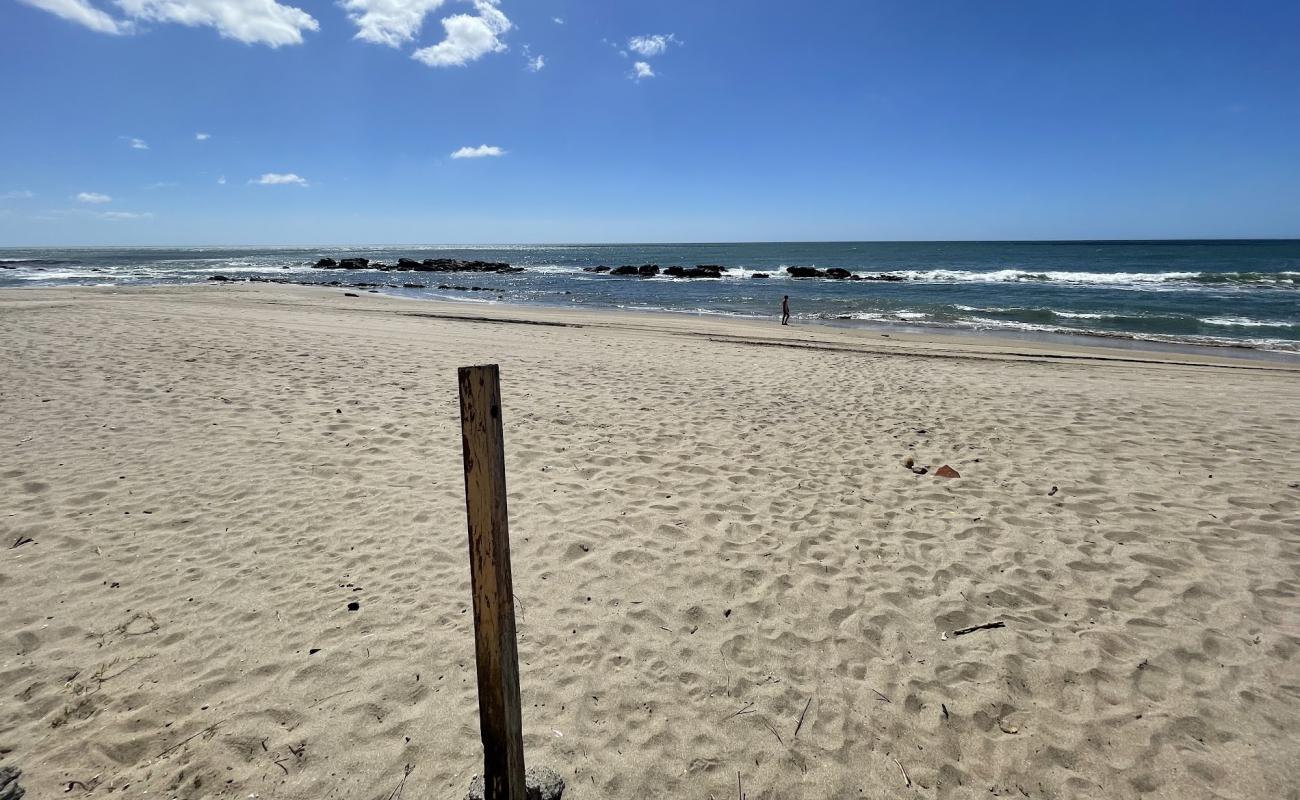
[{"x": 540, "y": 783}]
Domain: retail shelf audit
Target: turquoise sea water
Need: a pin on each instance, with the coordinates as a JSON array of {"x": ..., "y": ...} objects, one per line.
[{"x": 1237, "y": 293}]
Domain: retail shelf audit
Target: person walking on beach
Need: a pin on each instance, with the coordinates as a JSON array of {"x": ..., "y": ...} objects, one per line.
[{"x": 785, "y": 310}]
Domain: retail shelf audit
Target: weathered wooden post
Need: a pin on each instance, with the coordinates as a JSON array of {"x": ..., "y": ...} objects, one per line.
[{"x": 494, "y": 602}]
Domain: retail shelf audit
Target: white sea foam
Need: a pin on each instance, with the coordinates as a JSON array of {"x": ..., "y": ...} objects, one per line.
[
  {"x": 1029, "y": 276},
  {"x": 1246, "y": 322},
  {"x": 1085, "y": 315}
]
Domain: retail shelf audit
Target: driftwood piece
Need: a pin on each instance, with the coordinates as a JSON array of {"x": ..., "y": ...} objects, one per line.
[{"x": 985, "y": 627}]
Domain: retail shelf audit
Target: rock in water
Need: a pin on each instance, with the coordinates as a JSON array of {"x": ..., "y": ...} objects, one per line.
[
  {"x": 946, "y": 472},
  {"x": 10, "y": 790},
  {"x": 540, "y": 783}
]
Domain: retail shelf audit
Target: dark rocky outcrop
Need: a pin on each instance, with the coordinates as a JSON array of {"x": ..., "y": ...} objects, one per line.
[
  {"x": 759, "y": 275},
  {"x": 601, "y": 268},
  {"x": 469, "y": 288},
  {"x": 643, "y": 271},
  {"x": 427, "y": 265},
  {"x": 218, "y": 278},
  {"x": 882, "y": 277},
  {"x": 456, "y": 265},
  {"x": 805, "y": 272},
  {"x": 698, "y": 271},
  {"x": 838, "y": 274}
]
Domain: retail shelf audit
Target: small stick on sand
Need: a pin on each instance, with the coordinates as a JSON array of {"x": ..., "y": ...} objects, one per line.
[
  {"x": 747, "y": 708},
  {"x": 772, "y": 728},
  {"x": 906, "y": 779},
  {"x": 801, "y": 716},
  {"x": 210, "y": 729},
  {"x": 986, "y": 626},
  {"x": 397, "y": 792},
  {"x": 881, "y": 696}
]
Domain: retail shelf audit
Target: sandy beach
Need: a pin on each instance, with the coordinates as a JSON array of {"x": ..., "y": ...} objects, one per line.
[{"x": 724, "y": 571}]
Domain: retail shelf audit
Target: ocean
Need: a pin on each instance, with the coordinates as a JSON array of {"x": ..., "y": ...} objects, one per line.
[{"x": 1228, "y": 293}]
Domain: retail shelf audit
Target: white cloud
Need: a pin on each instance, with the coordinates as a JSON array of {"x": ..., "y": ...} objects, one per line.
[
  {"x": 641, "y": 70},
  {"x": 17, "y": 194},
  {"x": 482, "y": 151},
  {"x": 221, "y": 181},
  {"x": 162, "y": 185},
  {"x": 557, "y": 20},
  {"x": 93, "y": 197},
  {"x": 469, "y": 37},
  {"x": 533, "y": 64},
  {"x": 202, "y": 137},
  {"x": 279, "y": 179},
  {"x": 139, "y": 144},
  {"x": 652, "y": 45},
  {"x": 82, "y": 13},
  {"x": 389, "y": 22},
  {"x": 119, "y": 216},
  {"x": 248, "y": 21}
]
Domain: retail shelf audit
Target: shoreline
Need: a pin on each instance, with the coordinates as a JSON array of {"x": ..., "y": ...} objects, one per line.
[{"x": 900, "y": 339}]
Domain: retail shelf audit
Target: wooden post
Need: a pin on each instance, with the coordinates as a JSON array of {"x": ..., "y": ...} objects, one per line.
[{"x": 494, "y": 600}]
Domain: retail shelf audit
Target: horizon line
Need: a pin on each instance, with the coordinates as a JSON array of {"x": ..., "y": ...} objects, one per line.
[{"x": 454, "y": 245}]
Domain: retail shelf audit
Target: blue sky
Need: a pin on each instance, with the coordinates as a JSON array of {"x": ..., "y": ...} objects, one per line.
[{"x": 336, "y": 122}]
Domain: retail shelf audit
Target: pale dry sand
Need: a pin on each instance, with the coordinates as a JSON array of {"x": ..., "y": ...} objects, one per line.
[{"x": 712, "y": 539}]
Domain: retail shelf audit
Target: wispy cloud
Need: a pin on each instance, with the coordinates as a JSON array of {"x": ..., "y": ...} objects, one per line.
[
  {"x": 469, "y": 37},
  {"x": 202, "y": 137},
  {"x": 83, "y": 13},
  {"x": 389, "y": 22},
  {"x": 279, "y": 179},
  {"x": 163, "y": 185},
  {"x": 221, "y": 181},
  {"x": 642, "y": 70},
  {"x": 250, "y": 21},
  {"x": 121, "y": 216},
  {"x": 482, "y": 151},
  {"x": 533, "y": 64},
  {"x": 17, "y": 194},
  {"x": 558, "y": 20},
  {"x": 93, "y": 197},
  {"x": 652, "y": 45},
  {"x": 138, "y": 144}
]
